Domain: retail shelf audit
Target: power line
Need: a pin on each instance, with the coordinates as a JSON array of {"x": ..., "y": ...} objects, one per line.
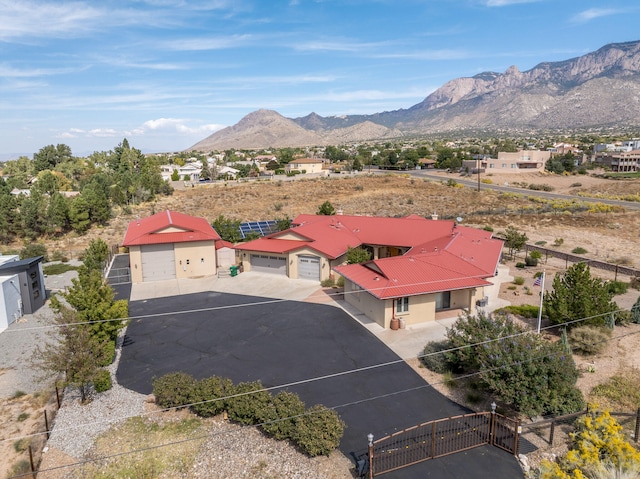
[{"x": 338, "y": 374}]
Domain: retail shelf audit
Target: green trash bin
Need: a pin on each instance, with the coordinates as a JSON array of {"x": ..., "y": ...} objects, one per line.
[{"x": 233, "y": 270}]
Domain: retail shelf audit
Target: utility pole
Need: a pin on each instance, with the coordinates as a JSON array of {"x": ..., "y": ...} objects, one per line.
[{"x": 478, "y": 170}]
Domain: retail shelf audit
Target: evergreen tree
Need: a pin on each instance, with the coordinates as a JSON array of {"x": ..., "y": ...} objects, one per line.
[
  {"x": 326, "y": 209},
  {"x": 576, "y": 295}
]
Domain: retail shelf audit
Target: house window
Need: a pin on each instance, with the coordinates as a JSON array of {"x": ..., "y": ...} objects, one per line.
[
  {"x": 443, "y": 300},
  {"x": 491, "y": 165},
  {"x": 402, "y": 305}
]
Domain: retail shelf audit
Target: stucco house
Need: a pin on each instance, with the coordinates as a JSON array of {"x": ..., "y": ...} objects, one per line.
[
  {"x": 171, "y": 245},
  {"x": 308, "y": 165},
  {"x": 418, "y": 267}
]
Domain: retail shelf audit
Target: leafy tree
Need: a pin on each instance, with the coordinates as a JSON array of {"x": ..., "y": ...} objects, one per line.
[
  {"x": 598, "y": 449},
  {"x": 560, "y": 164},
  {"x": 96, "y": 195},
  {"x": 514, "y": 240},
  {"x": 283, "y": 224},
  {"x": 357, "y": 165},
  {"x": 76, "y": 353},
  {"x": 577, "y": 295},
  {"x": 49, "y": 156},
  {"x": 532, "y": 374},
  {"x": 18, "y": 172},
  {"x": 357, "y": 255},
  {"x": 32, "y": 213},
  {"x": 95, "y": 255},
  {"x": 57, "y": 214},
  {"x": 326, "y": 209},
  {"x": 228, "y": 229},
  {"x": 205, "y": 174},
  {"x": 175, "y": 176},
  {"x": 9, "y": 218}
]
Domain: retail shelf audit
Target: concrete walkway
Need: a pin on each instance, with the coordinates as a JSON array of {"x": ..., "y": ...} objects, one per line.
[{"x": 406, "y": 343}]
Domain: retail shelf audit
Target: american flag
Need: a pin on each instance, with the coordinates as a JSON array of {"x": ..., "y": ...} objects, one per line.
[{"x": 538, "y": 281}]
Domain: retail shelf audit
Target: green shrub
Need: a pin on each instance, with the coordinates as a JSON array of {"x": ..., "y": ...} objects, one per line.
[
  {"x": 488, "y": 228},
  {"x": 278, "y": 418},
  {"x": 21, "y": 445},
  {"x": 531, "y": 261},
  {"x": 543, "y": 187},
  {"x": 247, "y": 404},
  {"x": 558, "y": 242},
  {"x": 535, "y": 254},
  {"x": 32, "y": 250},
  {"x": 589, "y": 340},
  {"x": 541, "y": 243},
  {"x": 327, "y": 283},
  {"x": 58, "y": 256},
  {"x": 579, "y": 250},
  {"x": 173, "y": 389},
  {"x": 525, "y": 310},
  {"x": 340, "y": 282},
  {"x": 319, "y": 431},
  {"x": 102, "y": 381},
  {"x": 57, "y": 268},
  {"x": 617, "y": 287},
  {"x": 23, "y": 416},
  {"x": 206, "y": 394},
  {"x": 521, "y": 265},
  {"x": 519, "y": 280},
  {"x": 109, "y": 353},
  {"x": 432, "y": 357}
]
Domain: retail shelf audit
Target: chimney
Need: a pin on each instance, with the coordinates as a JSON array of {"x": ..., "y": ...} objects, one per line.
[
  {"x": 434, "y": 216},
  {"x": 339, "y": 211}
]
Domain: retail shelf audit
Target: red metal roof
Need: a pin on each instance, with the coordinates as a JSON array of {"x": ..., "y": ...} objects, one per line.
[
  {"x": 152, "y": 230},
  {"x": 271, "y": 245}
]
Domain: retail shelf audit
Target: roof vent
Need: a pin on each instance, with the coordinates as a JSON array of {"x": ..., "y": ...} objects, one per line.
[
  {"x": 434, "y": 216},
  {"x": 376, "y": 278}
]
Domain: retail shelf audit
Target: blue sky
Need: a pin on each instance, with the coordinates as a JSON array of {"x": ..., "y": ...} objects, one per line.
[{"x": 167, "y": 73}]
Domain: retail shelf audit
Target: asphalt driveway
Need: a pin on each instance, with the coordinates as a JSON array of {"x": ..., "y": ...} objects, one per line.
[{"x": 247, "y": 338}]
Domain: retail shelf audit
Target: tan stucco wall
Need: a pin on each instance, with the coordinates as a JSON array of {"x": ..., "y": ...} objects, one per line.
[
  {"x": 291, "y": 236},
  {"x": 421, "y": 308},
  {"x": 195, "y": 259},
  {"x": 244, "y": 257},
  {"x": 201, "y": 256},
  {"x": 135, "y": 264}
]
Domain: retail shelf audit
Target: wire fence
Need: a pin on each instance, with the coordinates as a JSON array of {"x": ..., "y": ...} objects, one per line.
[{"x": 553, "y": 432}]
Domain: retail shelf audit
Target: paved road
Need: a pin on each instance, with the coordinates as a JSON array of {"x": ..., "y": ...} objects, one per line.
[
  {"x": 285, "y": 342},
  {"x": 472, "y": 182}
]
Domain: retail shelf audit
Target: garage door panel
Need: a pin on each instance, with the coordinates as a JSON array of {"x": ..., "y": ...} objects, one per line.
[
  {"x": 263, "y": 263},
  {"x": 309, "y": 267},
  {"x": 158, "y": 262}
]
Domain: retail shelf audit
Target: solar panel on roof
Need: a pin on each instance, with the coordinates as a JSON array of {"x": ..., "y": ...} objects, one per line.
[{"x": 263, "y": 228}]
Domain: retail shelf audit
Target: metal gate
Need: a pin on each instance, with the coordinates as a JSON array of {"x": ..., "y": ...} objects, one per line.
[{"x": 440, "y": 438}]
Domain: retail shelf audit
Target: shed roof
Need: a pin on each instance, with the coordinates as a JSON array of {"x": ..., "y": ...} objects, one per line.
[{"x": 168, "y": 227}]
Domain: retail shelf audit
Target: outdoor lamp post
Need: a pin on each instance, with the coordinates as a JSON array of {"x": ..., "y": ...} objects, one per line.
[{"x": 370, "y": 438}]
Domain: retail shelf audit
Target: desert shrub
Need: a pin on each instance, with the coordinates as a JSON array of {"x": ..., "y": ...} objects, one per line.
[
  {"x": 522, "y": 369},
  {"x": 327, "y": 283},
  {"x": 432, "y": 357},
  {"x": 173, "y": 389},
  {"x": 109, "y": 353},
  {"x": 18, "y": 394},
  {"x": 531, "y": 261},
  {"x": 248, "y": 402},
  {"x": 278, "y": 418},
  {"x": 206, "y": 398},
  {"x": 542, "y": 187},
  {"x": 576, "y": 185},
  {"x": 579, "y": 250},
  {"x": 535, "y": 254},
  {"x": 558, "y": 242},
  {"x": 102, "y": 381},
  {"x": 513, "y": 287},
  {"x": 57, "y": 268},
  {"x": 340, "y": 282},
  {"x": 58, "y": 256},
  {"x": 32, "y": 250},
  {"x": 519, "y": 280},
  {"x": 21, "y": 445},
  {"x": 620, "y": 392},
  {"x": 525, "y": 310},
  {"x": 521, "y": 265},
  {"x": 541, "y": 243},
  {"x": 488, "y": 228},
  {"x": 319, "y": 431},
  {"x": 589, "y": 340},
  {"x": 23, "y": 416},
  {"x": 598, "y": 449},
  {"x": 617, "y": 287},
  {"x": 486, "y": 181}
]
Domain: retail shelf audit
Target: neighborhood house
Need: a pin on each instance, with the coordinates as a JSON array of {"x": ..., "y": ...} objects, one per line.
[{"x": 418, "y": 267}]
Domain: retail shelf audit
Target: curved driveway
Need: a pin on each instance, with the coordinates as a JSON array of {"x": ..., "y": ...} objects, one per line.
[{"x": 248, "y": 338}]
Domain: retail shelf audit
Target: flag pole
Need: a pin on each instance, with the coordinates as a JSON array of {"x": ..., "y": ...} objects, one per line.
[{"x": 541, "y": 300}]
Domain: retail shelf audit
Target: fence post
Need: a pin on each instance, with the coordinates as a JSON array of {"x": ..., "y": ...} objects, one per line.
[
  {"x": 551, "y": 432},
  {"x": 492, "y": 425},
  {"x": 637, "y": 430},
  {"x": 370, "y": 438},
  {"x": 433, "y": 440},
  {"x": 46, "y": 423},
  {"x": 33, "y": 467},
  {"x": 57, "y": 396}
]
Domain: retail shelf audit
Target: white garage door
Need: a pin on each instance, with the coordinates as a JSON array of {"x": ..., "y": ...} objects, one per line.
[
  {"x": 268, "y": 264},
  {"x": 309, "y": 267},
  {"x": 158, "y": 262}
]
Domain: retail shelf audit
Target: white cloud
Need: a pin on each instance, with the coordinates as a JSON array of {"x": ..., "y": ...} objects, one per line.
[
  {"x": 7, "y": 71},
  {"x": 593, "y": 13},
  {"x": 178, "y": 125},
  {"x": 103, "y": 132},
  {"x": 201, "y": 44}
]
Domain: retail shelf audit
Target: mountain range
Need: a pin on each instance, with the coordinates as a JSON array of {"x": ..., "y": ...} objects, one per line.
[{"x": 595, "y": 91}]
